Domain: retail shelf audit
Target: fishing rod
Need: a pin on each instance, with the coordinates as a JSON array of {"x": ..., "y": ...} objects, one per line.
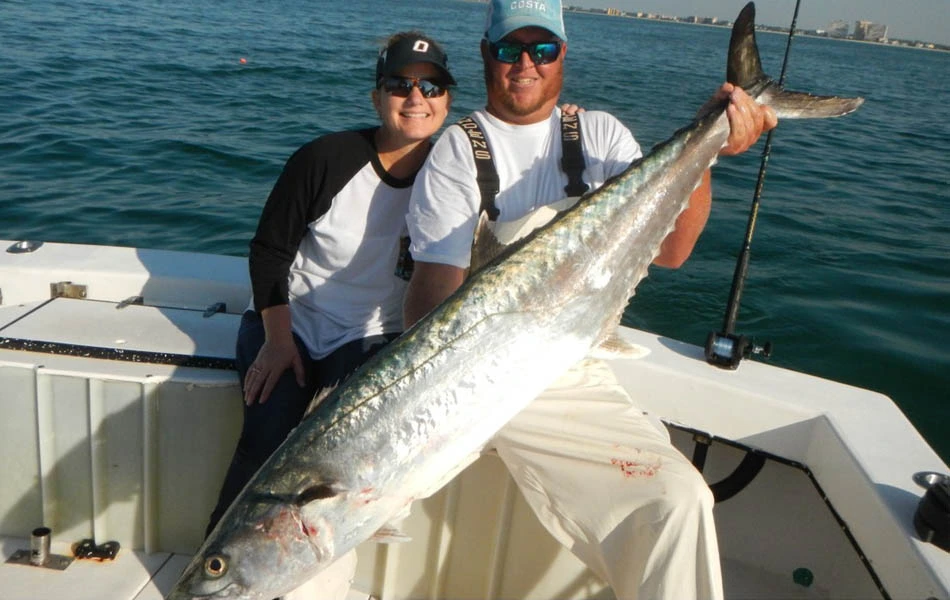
[{"x": 725, "y": 348}]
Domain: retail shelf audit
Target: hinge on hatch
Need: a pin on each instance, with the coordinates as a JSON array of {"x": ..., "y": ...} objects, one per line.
[{"x": 67, "y": 289}]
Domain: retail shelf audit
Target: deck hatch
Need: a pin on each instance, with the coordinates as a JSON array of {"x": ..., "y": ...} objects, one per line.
[
  {"x": 707, "y": 439},
  {"x": 128, "y": 332}
]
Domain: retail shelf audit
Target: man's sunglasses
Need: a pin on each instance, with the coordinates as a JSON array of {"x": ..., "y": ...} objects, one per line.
[
  {"x": 401, "y": 87},
  {"x": 540, "y": 53}
]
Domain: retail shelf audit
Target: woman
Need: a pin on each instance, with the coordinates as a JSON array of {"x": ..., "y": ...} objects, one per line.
[{"x": 328, "y": 261}]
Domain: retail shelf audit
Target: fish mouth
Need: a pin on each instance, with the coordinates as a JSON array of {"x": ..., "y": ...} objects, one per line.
[
  {"x": 184, "y": 595},
  {"x": 185, "y": 589}
]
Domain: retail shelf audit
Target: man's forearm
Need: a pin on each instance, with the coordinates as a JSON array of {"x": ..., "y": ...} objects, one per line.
[{"x": 679, "y": 244}]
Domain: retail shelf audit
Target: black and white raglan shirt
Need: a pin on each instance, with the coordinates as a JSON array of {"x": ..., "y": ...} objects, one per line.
[{"x": 328, "y": 243}]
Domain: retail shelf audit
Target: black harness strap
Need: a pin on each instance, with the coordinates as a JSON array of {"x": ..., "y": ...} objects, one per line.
[
  {"x": 572, "y": 162},
  {"x": 486, "y": 174}
]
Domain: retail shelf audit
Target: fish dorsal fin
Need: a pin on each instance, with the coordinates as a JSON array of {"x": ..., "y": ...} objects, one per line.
[
  {"x": 614, "y": 347},
  {"x": 494, "y": 237},
  {"x": 485, "y": 246},
  {"x": 744, "y": 67}
]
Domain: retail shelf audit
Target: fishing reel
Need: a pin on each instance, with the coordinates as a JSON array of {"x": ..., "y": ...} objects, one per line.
[{"x": 726, "y": 350}]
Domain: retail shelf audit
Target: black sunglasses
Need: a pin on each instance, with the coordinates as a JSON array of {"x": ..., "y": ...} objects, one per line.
[
  {"x": 401, "y": 87},
  {"x": 540, "y": 53}
]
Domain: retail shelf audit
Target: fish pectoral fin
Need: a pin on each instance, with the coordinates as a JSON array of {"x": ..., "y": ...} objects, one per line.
[
  {"x": 318, "y": 398},
  {"x": 614, "y": 347},
  {"x": 319, "y": 491},
  {"x": 390, "y": 534}
]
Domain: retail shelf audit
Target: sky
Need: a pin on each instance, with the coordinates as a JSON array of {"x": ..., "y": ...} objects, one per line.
[{"x": 924, "y": 20}]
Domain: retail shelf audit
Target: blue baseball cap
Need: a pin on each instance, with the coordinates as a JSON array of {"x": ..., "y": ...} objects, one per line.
[{"x": 504, "y": 16}]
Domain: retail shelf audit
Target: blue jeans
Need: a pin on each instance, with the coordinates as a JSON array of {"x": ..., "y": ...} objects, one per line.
[{"x": 267, "y": 425}]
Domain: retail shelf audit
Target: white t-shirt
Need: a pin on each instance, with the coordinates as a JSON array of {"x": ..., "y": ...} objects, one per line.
[
  {"x": 329, "y": 243},
  {"x": 446, "y": 199},
  {"x": 342, "y": 281}
]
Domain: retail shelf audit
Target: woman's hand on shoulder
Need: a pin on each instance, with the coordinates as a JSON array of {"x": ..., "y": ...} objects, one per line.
[{"x": 571, "y": 109}]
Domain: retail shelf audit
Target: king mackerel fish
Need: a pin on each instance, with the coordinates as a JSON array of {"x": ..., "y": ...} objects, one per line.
[{"x": 406, "y": 421}]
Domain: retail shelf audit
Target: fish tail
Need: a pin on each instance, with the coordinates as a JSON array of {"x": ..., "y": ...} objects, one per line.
[{"x": 744, "y": 69}]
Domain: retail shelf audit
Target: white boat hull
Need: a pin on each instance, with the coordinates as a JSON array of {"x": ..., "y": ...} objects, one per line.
[{"x": 96, "y": 446}]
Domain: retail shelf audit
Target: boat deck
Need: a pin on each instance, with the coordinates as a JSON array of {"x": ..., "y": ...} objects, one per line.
[
  {"x": 107, "y": 431},
  {"x": 133, "y": 575},
  {"x": 138, "y": 575}
]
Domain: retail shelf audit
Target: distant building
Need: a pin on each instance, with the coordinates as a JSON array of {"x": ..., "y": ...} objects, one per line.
[
  {"x": 871, "y": 32},
  {"x": 837, "y": 29},
  {"x": 876, "y": 32}
]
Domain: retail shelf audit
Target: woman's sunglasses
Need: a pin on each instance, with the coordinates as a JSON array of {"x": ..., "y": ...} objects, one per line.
[
  {"x": 401, "y": 87},
  {"x": 540, "y": 53}
]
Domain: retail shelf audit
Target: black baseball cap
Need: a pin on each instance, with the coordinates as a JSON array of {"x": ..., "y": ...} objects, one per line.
[{"x": 412, "y": 49}]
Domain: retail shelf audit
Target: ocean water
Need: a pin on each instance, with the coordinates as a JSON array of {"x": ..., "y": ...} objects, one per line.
[{"x": 137, "y": 123}]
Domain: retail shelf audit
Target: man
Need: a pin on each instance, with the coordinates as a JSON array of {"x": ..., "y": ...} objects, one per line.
[{"x": 649, "y": 533}]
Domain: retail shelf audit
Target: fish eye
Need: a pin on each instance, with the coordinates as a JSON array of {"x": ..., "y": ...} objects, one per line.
[{"x": 216, "y": 566}]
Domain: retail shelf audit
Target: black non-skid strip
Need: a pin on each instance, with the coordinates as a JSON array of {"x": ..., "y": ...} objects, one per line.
[{"x": 136, "y": 356}]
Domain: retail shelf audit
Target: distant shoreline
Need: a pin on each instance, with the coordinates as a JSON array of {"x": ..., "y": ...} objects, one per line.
[{"x": 765, "y": 29}]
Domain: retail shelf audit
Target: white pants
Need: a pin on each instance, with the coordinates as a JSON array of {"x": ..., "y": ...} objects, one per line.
[{"x": 607, "y": 483}]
